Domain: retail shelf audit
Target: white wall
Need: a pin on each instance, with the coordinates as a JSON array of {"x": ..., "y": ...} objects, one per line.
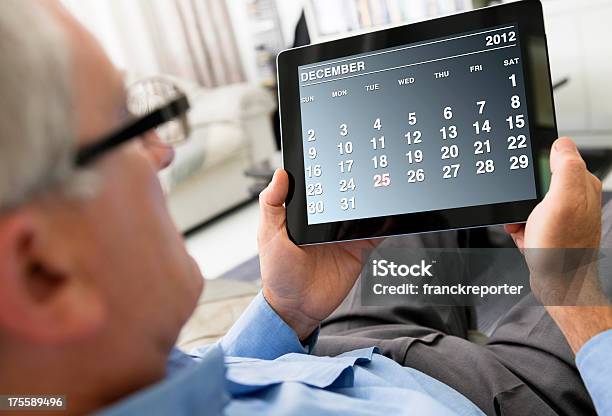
[{"x": 579, "y": 36}]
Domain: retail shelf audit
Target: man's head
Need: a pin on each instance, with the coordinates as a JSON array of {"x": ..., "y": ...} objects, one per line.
[{"x": 95, "y": 285}]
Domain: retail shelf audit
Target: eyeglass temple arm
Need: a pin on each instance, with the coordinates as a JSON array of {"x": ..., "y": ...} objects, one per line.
[{"x": 175, "y": 108}]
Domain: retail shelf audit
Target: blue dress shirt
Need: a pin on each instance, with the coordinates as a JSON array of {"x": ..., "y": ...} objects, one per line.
[
  {"x": 594, "y": 361},
  {"x": 261, "y": 367}
]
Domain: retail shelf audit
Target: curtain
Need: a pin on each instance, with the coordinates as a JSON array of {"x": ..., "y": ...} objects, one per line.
[{"x": 192, "y": 39}]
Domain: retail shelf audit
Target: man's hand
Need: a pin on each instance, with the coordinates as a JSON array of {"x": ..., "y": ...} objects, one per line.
[
  {"x": 304, "y": 285},
  {"x": 569, "y": 217},
  {"x": 570, "y": 214}
]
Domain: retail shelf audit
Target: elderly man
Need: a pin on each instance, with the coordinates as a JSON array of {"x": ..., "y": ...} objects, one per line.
[{"x": 96, "y": 283}]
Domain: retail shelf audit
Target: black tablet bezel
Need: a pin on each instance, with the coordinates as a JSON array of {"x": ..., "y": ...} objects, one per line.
[{"x": 527, "y": 13}]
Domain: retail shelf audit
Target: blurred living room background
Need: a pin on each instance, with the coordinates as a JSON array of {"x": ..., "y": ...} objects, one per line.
[{"x": 222, "y": 54}]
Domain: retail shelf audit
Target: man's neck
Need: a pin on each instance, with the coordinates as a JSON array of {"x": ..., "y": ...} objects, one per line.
[
  {"x": 87, "y": 384},
  {"x": 30, "y": 379}
]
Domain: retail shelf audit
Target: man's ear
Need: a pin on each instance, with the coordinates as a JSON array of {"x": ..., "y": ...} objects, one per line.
[{"x": 41, "y": 299}]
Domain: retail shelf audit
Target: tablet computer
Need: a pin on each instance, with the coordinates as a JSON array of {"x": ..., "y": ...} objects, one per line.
[{"x": 437, "y": 125}]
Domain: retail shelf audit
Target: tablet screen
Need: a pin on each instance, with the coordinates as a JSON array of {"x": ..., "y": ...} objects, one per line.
[{"x": 426, "y": 126}]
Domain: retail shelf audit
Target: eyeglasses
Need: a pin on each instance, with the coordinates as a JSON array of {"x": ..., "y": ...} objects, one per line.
[{"x": 153, "y": 103}]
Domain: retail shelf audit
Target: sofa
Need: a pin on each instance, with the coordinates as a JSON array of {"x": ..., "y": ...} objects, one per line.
[{"x": 231, "y": 131}]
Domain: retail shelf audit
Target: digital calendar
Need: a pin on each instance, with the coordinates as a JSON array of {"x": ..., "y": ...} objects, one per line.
[
  {"x": 433, "y": 125},
  {"x": 436, "y": 125}
]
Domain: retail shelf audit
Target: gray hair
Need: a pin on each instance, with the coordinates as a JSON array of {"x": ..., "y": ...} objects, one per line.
[{"x": 37, "y": 125}]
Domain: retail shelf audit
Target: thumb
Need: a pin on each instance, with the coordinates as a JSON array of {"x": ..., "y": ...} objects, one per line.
[
  {"x": 271, "y": 200},
  {"x": 568, "y": 169},
  {"x": 275, "y": 193}
]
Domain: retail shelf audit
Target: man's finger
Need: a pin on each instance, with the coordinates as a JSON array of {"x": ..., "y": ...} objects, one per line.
[
  {"x": 271, "y": 200},
  {"x": 276, "y": 192},
  {"x": 568, "y": 168},
  {"x": 564, "y": 149},
  {"x": 519, "y": 240},
  {"x": 513, "y": 228}
]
